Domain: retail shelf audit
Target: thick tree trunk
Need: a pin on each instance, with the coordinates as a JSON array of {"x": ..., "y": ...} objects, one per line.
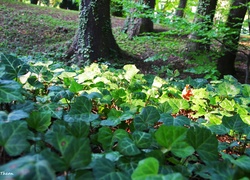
[
  {"x": 230, "y": 42},
  {"x": 133, "y": 26},
  {"x": 204, "y": 17},
  {"x": 94, "y": 39},
  {"x": 33, "y": 1},
  {"x": 181, "y": 7}
]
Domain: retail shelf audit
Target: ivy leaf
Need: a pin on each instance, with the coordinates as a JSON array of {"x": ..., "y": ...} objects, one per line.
[
  {"x": 28, "y": 167},
  {"x": 227, "y": 105},
  {"x": 235, "y": 123},
  {"x": 53, "y": 108},
  {"x": 10, "y": 91},
  {"x": 13, "y": 116},
  {"x": 246, "y": 90},
  {"x": 242, "y": 162},
  {"x": 105, "y": 137},
  {"x": 115, "y": 117},
  {"x": 204, "y": 142},
  {"x": 178, "y": 104},
  {"x": 57, "y": 96},
  {"x": 219, "y": 129},
  {"x": 78, "y": 129},
  {"x": 131, "y": 70},
  {"x": 75, "y": 87},
  {"x": 169, "y": 120},
  {"x": 147, "y": 118},
  {"x": 14, "y": 67},
  {"x": 145, "y": 168},
  {"x": 13, "y": 137},
  {"x": 58, "y": 164},
  {"x": 75, "y": 151},
  {"x": 174, "y": 139},
  {"x": 39, "y": 121},
  {"x": 81, "y": 111},
  {"x": 228, "y": 89},
  {"x": 104, "y": 169},
  {"x": 33, "y": 81},
  {"x": 127, "y": 147},
  {"x": 142, "y": 139}
]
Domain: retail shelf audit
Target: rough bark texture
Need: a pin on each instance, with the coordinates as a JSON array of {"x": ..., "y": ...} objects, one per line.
[
  {"x": 230, "y": 42},
  {"x": 133, "y": 26},
  {"x": 205, "y": 16},
  {"x": 181, "y": 8},
  {"x": 94, "y": 39}
]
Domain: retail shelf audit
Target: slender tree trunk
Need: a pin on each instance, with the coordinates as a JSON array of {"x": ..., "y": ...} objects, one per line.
[
  {"x": 94, "y": 39},
  {"x": 204, "y": 17},
  {"x": 226, "y": 63},
  {"x": 248, "y": 18},
  {"x": 181, "y": 7},
  {"x": 133, "y": 26}
]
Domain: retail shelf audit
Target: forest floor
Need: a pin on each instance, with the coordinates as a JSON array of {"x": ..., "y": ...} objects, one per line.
[{"x": 29, "y": 29}]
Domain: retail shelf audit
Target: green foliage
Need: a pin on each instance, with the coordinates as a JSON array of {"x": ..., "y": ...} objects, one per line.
[{"x": 99, "y": 122}]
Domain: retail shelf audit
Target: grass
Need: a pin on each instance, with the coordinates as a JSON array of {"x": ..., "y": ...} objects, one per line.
[{"x": 26, "y": 28}]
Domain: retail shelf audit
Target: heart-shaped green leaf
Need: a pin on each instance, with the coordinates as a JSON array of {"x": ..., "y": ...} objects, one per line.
[
  {"x": 13, "y": 137},
  {"x": 28, "y": 167},
  {"x": 147, "y": 118},
  {"x": 204, "y": 142},
  {"x": 10, "y": 91}
]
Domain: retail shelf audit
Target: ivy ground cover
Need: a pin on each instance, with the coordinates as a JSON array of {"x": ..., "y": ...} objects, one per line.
[{"x": 97, "y": 122}]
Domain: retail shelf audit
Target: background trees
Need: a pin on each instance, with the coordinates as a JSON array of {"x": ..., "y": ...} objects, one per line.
[
  {"x": 229, "y": 48},
  {"x": 208, "y": 24}
]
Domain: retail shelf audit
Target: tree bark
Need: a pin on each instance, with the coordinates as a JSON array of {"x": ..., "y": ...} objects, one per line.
[
  {"x": 226, "y": 63},
  {"x": 33, "y": 1},
  {"x": 181, "y": 7},
  {"x": 204, "y": 17},
  {"x": 94, "y": 39},
  {"x": 133, "y": 26}
]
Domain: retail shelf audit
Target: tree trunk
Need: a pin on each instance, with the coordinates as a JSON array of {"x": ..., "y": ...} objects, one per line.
[
  {"x": 248, "y": 18},
  {"x": 204, "y": 17},
  {"x": 133, "y": 26},
  {"x": 230, "y": 42},
  {"x": 94, "y": 39},
  {"x": 181, "y": 7},
  {"x": 33, "y": 1}
]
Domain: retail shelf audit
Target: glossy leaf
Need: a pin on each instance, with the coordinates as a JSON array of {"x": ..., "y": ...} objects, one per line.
[
  {"x": 141, "y": 139},
  {"x": 146, "y": 167},
  {"x": 28, "y": 167},
  {"x": 178, "y": 104},
  {"x": 169, "y": 120},
  {"x": 75, "y": 87},
  {"x": 14, "y": 67},
  {"x": 39, "y": 121},
  {"x": 13, "y": 116},
  {"x": 147, "y": 118},
  {"x": 10, "y": 91},
  {"x": 81, "y": 111},
  {"x": 78, "y": 129},
  {"x": 13, "y": 137},
  {"x": 204, "y": 142},
  {"x": 173, "y": 138},
  {"x": 127, "y": 147},
  {"x": 75, "y": 151},
  {"x": 105, "y": 169},
  {"x": 235, "y": 123}
]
